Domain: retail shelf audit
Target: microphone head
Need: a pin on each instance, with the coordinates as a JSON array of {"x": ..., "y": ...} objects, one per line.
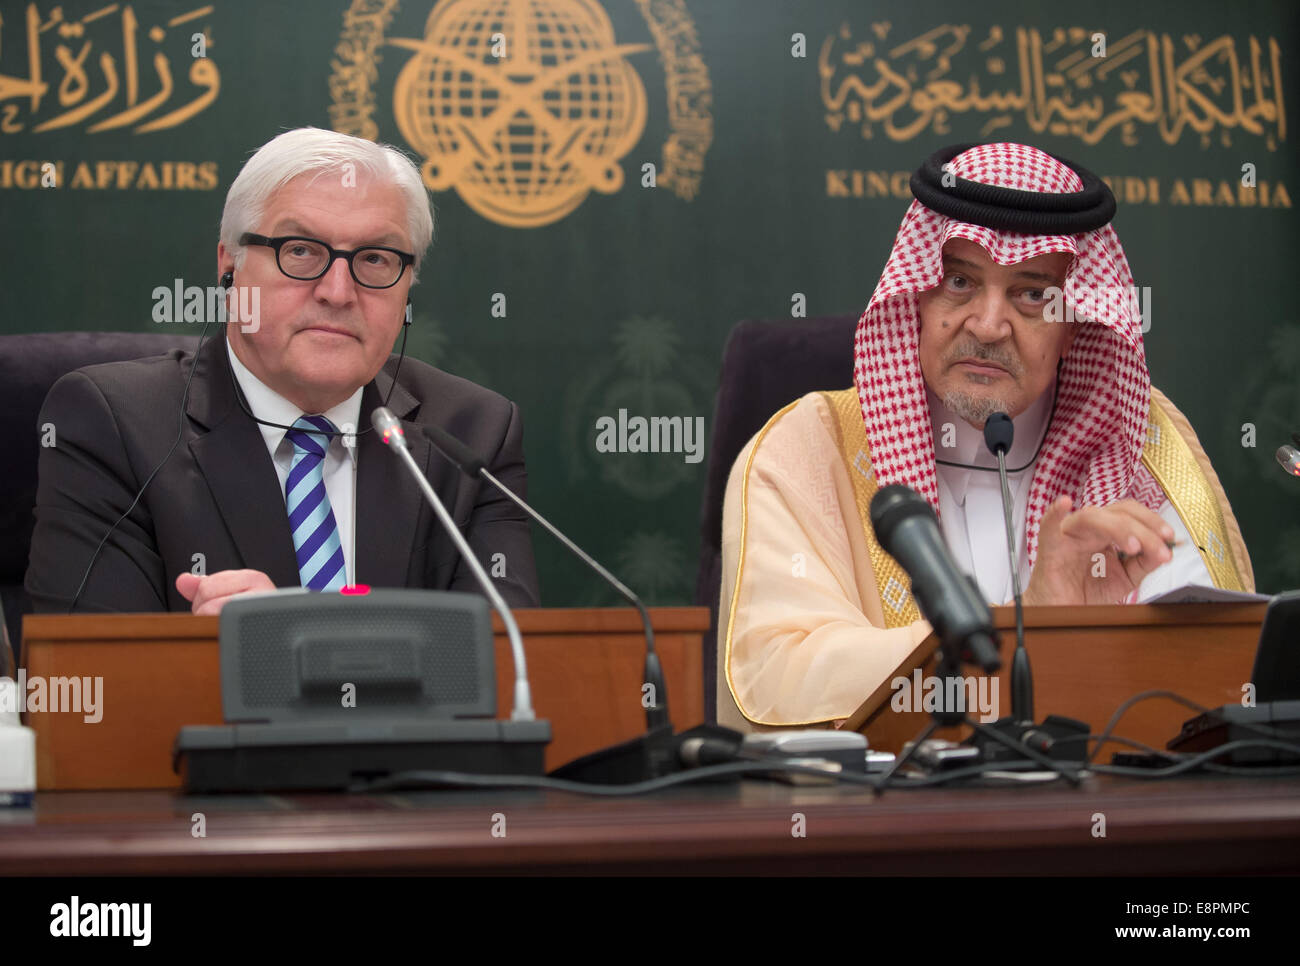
[
  {"x": 999, "y": 431},
  {"x": 388, "y": 426},
  {"x": 892, "y": 505},
  {"x": 1289, "y": 458},
  {"x": 452, "y": 448}
]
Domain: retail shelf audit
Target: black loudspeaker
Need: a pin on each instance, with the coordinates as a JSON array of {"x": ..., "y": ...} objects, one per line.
[
  {"x": 1275, "y": 711},
  {"x": 292, "y": 657},
  {"x": 331, "y": 691}
]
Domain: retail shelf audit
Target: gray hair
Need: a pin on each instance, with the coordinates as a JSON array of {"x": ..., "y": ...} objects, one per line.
[{"x": 312, "y": 149}]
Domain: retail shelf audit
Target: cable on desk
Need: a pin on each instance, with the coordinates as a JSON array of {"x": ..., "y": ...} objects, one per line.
[
  {"x": 1268, "y": 733},
  {"x": 984, "y": 769},
  {"x": 1206, "y": 760},
  {"x": 407, "y": 779},
  {"x": 1181, "y": 763},
  {"x": 1117, "y": 739},
  {"x": 414, "y": 780}
]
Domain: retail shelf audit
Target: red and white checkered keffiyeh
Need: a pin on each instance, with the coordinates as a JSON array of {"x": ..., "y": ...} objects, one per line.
[{"x": 1093, "y": 448}]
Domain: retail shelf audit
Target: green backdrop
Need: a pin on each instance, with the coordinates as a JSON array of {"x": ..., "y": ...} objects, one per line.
[{"x": 780, "y": 135}]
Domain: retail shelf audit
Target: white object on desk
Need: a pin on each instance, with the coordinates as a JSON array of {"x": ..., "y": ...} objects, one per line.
[
  {"x": 1199, "y": 594},
  {"x": 17, "y": 749}
]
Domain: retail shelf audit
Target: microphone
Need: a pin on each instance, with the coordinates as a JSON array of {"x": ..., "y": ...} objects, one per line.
[
  {"x": 908, "y": 530},
  {"x": 1037, "y": 742},
  {"x": 1289, "y": 457},
  {"x": 999, "y": 433},
  {"x": 390, "y": 430},
  {"x": 471, "y": 464}
]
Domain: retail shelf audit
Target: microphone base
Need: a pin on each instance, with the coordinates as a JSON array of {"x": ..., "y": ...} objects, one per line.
[
  {"x": 332, "y": 757},
  {"x": 651, "y": 755},
  {"x": 1044, "y": 738}
]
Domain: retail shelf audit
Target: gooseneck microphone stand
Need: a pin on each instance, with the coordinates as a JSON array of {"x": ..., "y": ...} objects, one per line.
[
  {"x": 907, "y": 528},
  {"x": 1025, "y": 736}
]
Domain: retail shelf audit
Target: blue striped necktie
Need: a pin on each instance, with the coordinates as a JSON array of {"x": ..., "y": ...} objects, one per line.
[{"x": 311, "y": 518}]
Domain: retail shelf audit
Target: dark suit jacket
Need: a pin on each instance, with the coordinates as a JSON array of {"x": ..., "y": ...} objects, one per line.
[{"x": 218, "y": 493}]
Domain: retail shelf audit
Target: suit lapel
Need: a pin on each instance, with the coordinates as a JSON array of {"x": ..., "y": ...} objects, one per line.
[
  {"x": 233, "y": 459},
  {"x": 391, "y": 510}
]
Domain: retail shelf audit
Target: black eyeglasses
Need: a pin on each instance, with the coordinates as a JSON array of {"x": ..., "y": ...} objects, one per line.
[{"x": 306, "y": 259}]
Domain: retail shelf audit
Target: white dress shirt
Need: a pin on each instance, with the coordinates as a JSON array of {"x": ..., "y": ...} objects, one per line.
[
  {"x": 970, "y": 506},
  {"x": 340, "y": 465}
]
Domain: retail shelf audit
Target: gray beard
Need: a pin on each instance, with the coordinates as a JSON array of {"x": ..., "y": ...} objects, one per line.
[{"x": 974, "y": 409}]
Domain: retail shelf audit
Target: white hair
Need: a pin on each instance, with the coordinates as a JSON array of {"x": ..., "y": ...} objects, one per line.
[{"x": 311, "y": 149}]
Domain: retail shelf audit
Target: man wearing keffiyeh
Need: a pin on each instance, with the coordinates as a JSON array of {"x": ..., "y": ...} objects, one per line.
[{"x": 1006, "y": 291}]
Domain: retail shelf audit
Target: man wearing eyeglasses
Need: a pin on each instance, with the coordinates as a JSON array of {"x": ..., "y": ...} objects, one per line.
[{"x": 277, "y": 479}]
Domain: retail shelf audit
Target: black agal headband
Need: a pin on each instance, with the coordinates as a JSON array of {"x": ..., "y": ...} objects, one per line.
[{"x": 1010, "y": 209}]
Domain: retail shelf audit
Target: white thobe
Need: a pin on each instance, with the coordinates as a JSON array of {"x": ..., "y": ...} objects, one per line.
[{"x": 972, "y": 519}]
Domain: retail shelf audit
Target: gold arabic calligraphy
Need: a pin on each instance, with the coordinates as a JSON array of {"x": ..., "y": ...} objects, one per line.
[
  {"x": 1054, "y": 82},
  {"x": 74, "y": 91}
]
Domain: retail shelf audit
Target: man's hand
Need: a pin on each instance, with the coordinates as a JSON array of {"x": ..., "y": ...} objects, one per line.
[
  {"x": 1132, "y": 540},
  {"x": 207, "y": 595}
]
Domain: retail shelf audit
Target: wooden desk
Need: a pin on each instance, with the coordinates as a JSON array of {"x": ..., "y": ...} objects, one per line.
[
  {"x": 1086, "y": 661},
  {"x": 1170, "y": 827},
  {"x": 162, "y": 671}
]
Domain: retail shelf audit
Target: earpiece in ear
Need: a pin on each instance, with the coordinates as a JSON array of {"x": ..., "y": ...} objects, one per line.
[
  {"x": 408, "y": 313},
  {"x": 228, "y": 280}
]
